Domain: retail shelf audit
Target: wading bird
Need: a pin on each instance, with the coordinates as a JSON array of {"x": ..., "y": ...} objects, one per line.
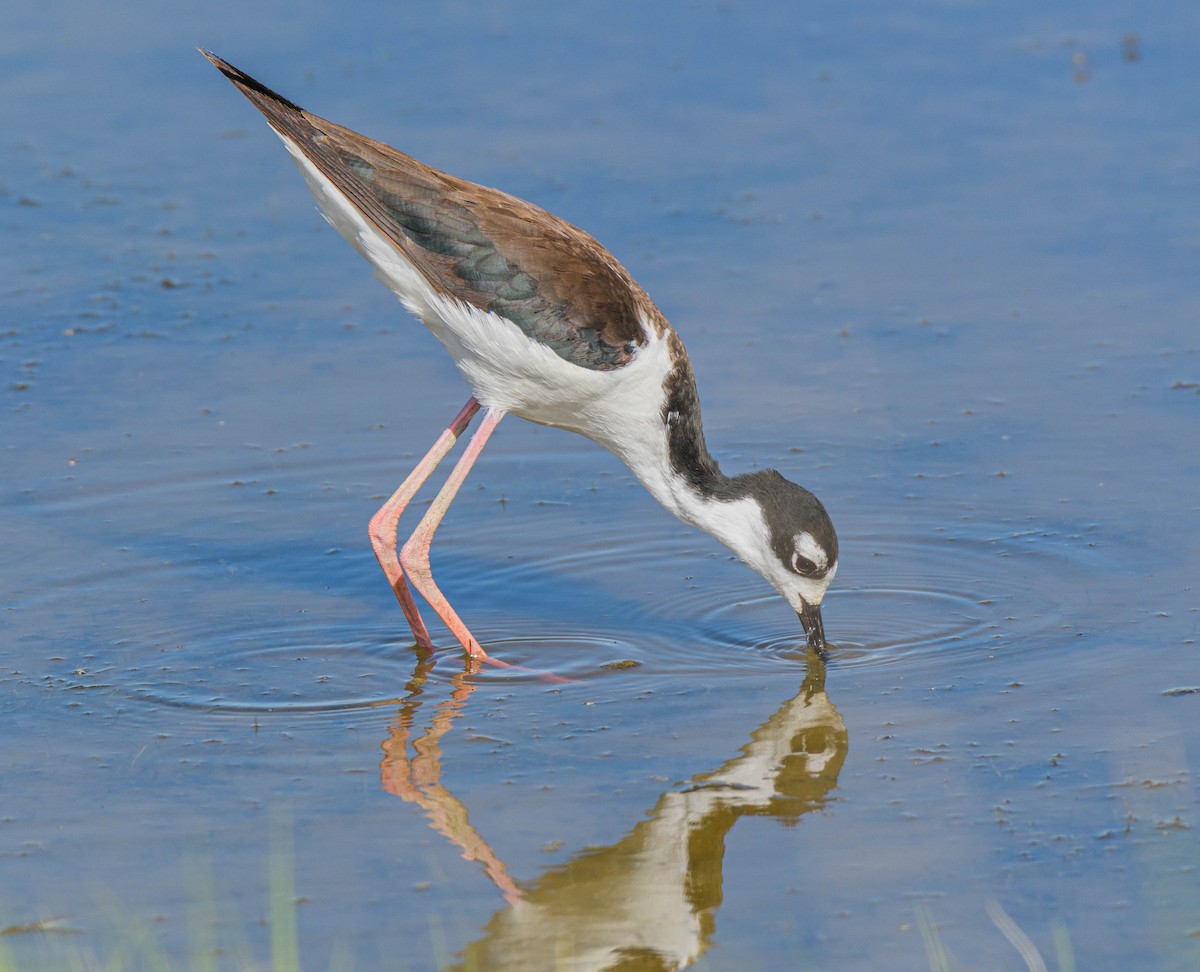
[{"x": 543, "y": 322}]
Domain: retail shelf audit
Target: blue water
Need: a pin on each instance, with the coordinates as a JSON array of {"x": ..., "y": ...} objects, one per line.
[{"x": 935, "y": 262}]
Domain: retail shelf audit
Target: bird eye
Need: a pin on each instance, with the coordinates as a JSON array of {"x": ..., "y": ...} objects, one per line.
[{"x": 802, "y": 565}]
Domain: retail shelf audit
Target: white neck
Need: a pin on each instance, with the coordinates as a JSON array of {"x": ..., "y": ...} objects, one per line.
[{"x": 737, "y": 523}]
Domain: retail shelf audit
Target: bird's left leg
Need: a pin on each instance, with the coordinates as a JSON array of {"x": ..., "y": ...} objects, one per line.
[{"x": 414, "y": 555}]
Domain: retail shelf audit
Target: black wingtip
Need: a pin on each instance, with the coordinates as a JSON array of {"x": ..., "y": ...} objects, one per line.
[{"x": 249, "y": 86}]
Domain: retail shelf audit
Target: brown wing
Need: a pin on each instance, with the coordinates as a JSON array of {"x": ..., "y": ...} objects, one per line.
[{"x": 490, "y": 249}]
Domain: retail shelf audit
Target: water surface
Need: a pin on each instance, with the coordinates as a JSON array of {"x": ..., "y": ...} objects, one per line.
[{"x": 937, "y": 264}]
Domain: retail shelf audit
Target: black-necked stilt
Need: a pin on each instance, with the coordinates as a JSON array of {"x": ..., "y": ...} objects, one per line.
[{"x": 544, "y": 323}]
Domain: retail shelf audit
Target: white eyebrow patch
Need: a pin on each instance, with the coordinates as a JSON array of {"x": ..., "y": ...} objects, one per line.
[{"x": 808, "y": 548}]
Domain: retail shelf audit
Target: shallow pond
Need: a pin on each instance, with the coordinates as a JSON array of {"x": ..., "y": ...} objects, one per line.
[{"x": 938, "y": 264}]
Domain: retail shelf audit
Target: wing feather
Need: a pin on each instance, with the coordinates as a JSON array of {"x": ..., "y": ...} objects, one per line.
[{"x": 488, "y": 248}]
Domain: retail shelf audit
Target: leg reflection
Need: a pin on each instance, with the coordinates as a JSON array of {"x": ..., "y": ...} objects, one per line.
[{"x": 412, "y": 770}]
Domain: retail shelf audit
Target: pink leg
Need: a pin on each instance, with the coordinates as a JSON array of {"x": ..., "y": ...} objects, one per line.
[
  {"x": 385, "y": 521},
  {"x": 414, "y": 555}
]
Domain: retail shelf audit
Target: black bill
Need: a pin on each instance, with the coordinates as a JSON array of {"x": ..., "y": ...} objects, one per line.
[{"x": 814, "y": 627}]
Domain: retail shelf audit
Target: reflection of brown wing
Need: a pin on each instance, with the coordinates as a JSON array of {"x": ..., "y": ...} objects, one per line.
[{"x": 485, "y": 247}]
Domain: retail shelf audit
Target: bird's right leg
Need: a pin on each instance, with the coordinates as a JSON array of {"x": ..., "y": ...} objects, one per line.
[{"x": 385, "y": 522}]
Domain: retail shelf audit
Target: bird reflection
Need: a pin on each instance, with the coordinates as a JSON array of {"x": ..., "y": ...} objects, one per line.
[{"x": 650, "y": 900}]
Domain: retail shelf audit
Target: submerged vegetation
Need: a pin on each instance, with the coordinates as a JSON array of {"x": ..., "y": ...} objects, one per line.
[
  {"x": 137, "y": 949},
  {"x": 56, "y": 943}
]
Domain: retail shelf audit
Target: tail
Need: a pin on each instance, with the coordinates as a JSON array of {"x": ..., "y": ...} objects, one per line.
[{"x": 279, "y": 111}]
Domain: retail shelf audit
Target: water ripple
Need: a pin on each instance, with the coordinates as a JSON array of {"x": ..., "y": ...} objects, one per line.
[
  {"x": 296, "y": 665},
  {"x": 547, "y": 595}
]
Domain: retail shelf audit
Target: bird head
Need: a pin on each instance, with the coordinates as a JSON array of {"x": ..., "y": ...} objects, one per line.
[{"x": 797, "y": 551}]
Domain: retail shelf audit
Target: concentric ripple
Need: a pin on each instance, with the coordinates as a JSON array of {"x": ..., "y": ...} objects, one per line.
[
  {"x": 902, "y": 622},
  {"x": 326, "y": 667},
  {"x": 900, "y": 597},
  {"x": 546, "y": 658},
  {"x": 298, "y": 667}
]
